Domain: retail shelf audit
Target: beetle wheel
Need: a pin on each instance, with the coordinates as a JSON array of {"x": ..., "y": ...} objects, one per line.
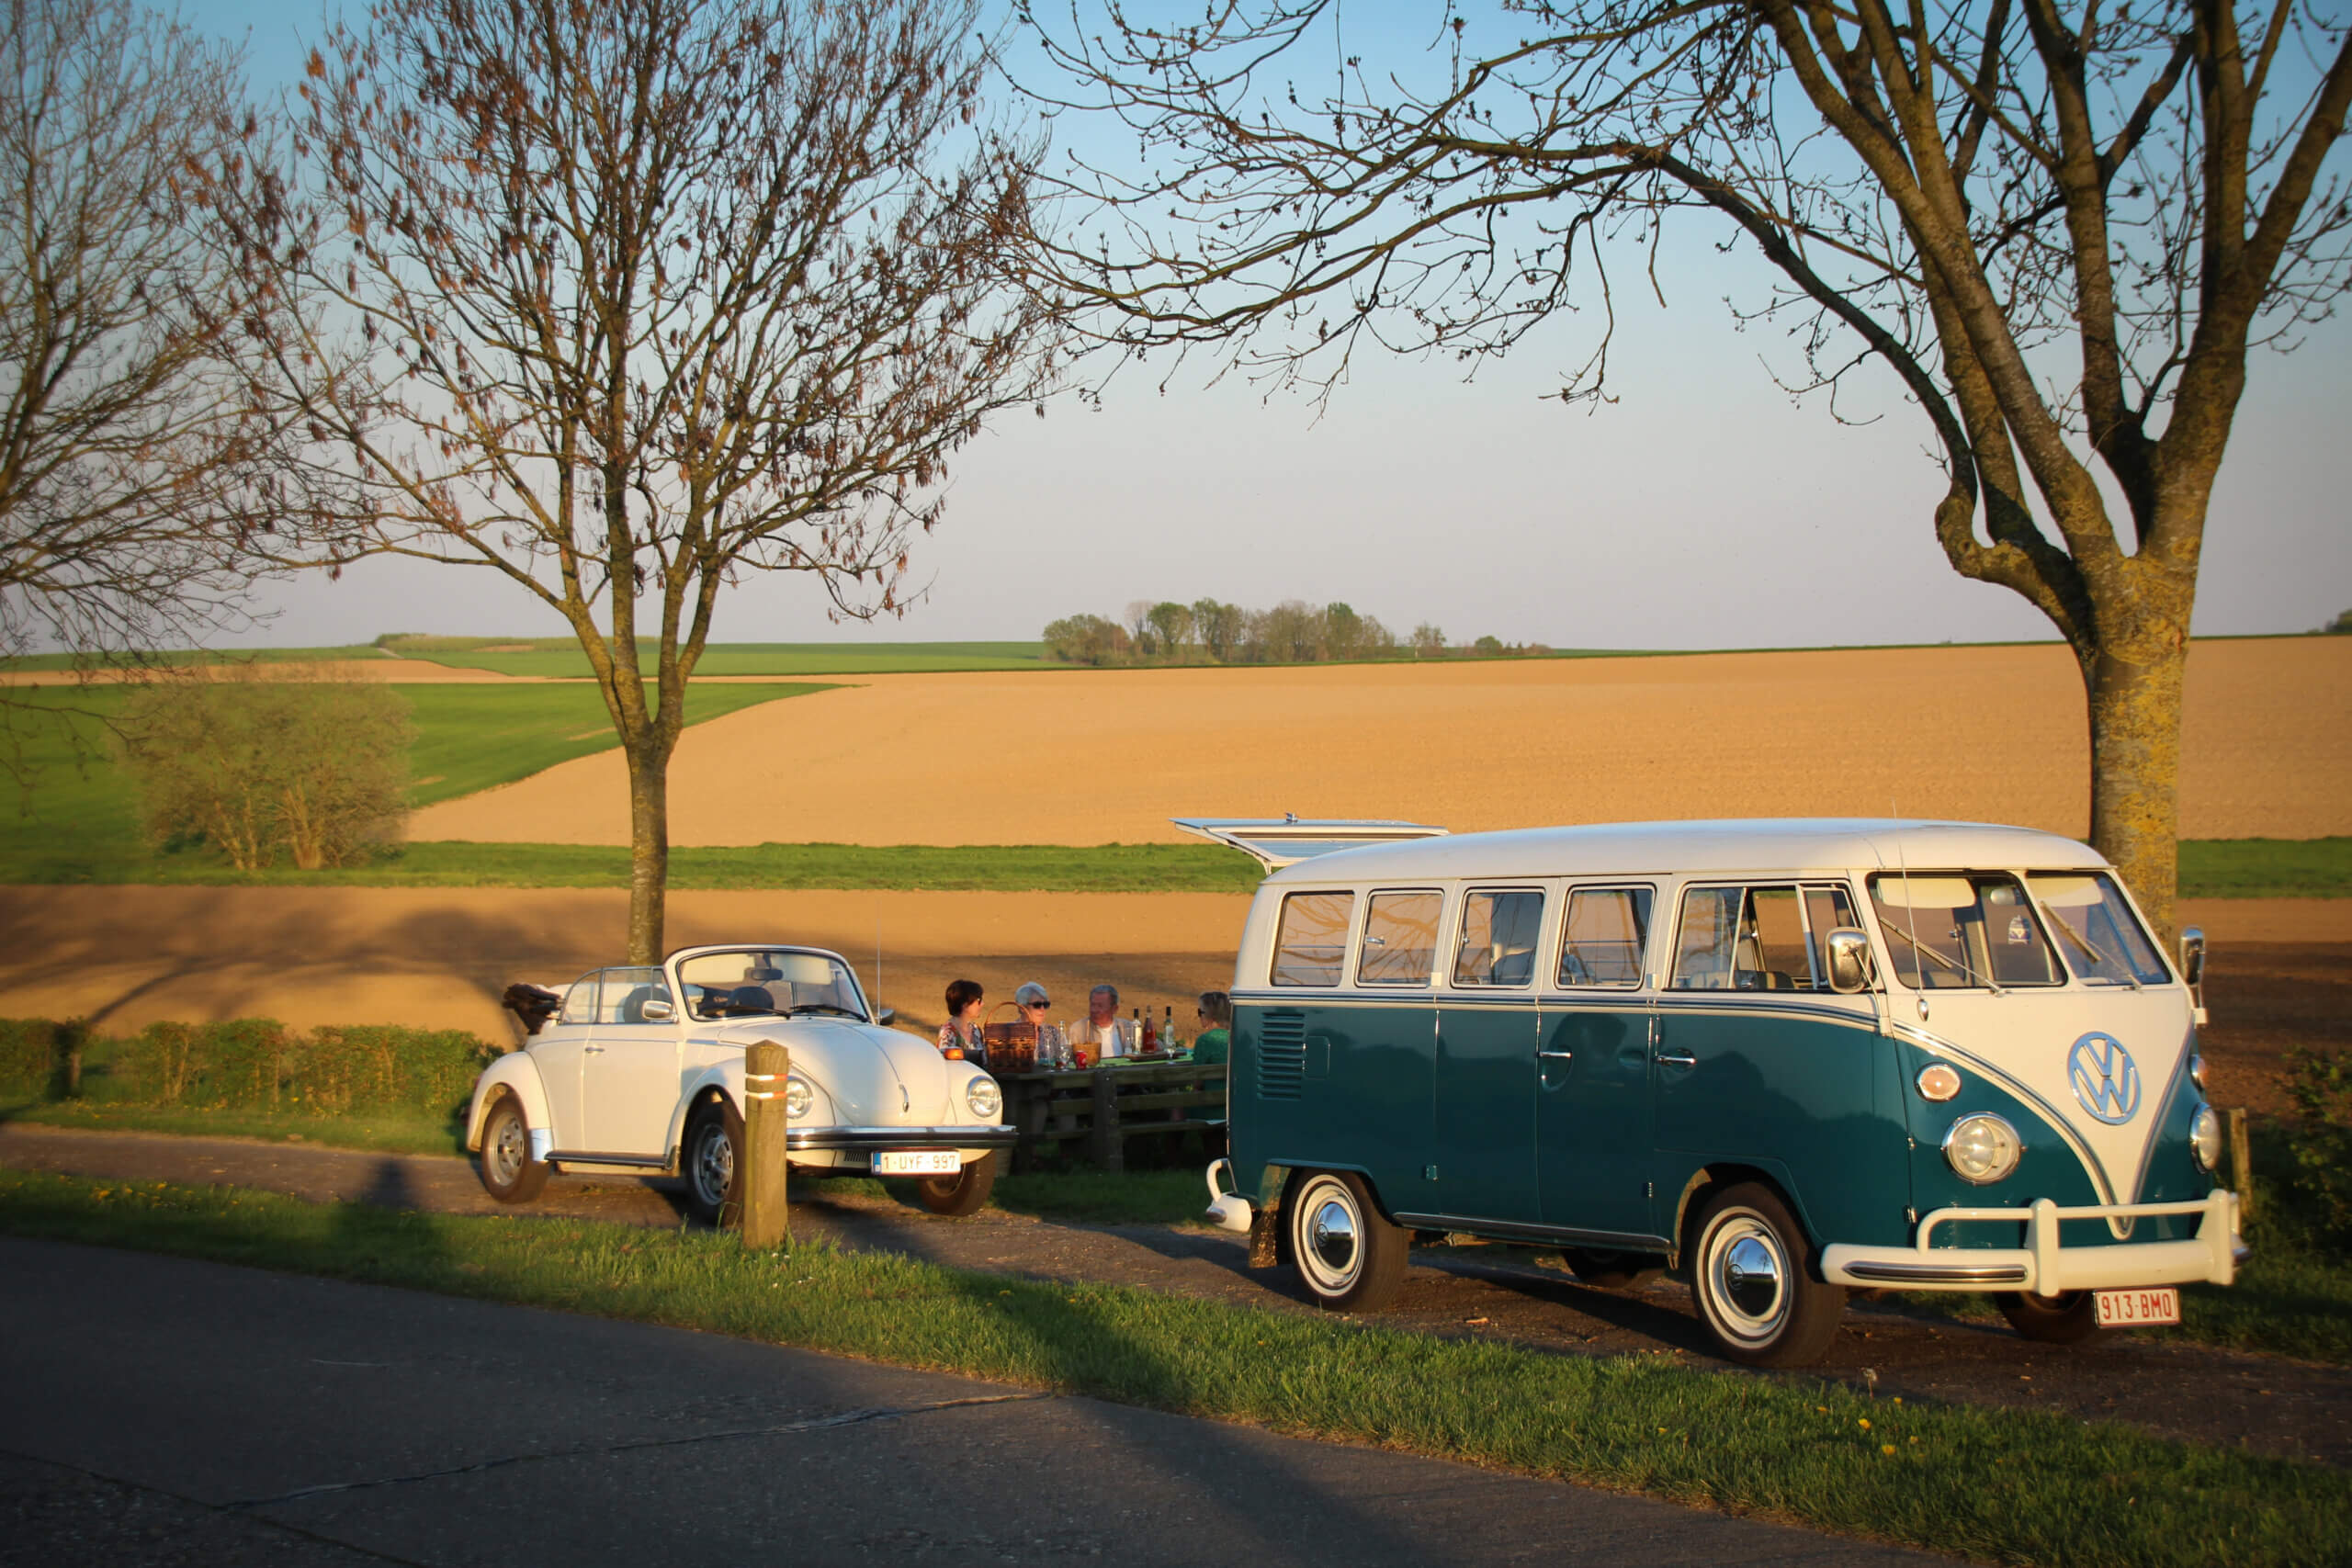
[
  {"x": 509, "y": 1174},
  {"x": 2065, "y": 1319},
  {"x": 1349, "y": 1258},
  {"x": 712, "y": 1163},
  {"x": 962, "y": 1194},
  {"x": 1752, "y": 1278}
]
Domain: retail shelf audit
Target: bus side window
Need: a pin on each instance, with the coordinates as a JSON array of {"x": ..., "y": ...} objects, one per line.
[
  {"x": 1703, "y": 957},
  {"x": 1311, "y": 940},
  {"x": 1499, "y": 935},
  {"x": 1605, "y": 934},
  {"x": 1771, "y": 944},
  {"x": 1399, "y": 939}
]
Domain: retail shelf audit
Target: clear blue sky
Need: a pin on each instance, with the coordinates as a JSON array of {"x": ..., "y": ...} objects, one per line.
[{"x": 1703, "y": 509}]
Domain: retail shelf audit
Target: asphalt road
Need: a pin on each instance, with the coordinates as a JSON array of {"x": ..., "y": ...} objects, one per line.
[
  {"x": 2267, "y": 1404},
  {"x": 160, "y": 1411}
]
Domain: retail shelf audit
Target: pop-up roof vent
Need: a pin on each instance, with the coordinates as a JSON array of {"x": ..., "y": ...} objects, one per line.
[{"x": 1277, "y": 841}]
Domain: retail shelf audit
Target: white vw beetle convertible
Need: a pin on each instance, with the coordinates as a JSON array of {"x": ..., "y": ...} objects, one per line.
[{"x": 641, "y": 1072}]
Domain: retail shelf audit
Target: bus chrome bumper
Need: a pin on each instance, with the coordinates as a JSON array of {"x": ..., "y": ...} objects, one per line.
[{"x": 2042, "y": 1267}]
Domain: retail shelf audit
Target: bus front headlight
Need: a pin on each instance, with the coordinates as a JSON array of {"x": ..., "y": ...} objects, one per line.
[
  {"x": 1982, "y": 1148},
  {"x": 985, "y": 1098},
  {"x": 2205, "y": 1137}
]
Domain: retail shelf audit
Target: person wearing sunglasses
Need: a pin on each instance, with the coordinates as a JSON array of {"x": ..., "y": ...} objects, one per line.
[{"x": 1053, "y": 1048}]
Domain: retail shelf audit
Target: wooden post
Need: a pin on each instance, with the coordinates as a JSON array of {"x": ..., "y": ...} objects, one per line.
[
  {"x": 2241, "y": 1163},
  {"x": 766, "y": 1067},
  {"x": 1110, "y": 1149}
]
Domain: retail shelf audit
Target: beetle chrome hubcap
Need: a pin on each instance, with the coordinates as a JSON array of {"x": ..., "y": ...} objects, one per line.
[
  {"x": 1748, "y": 1273},
  {"x": 506, "y": 1149},
  {"x": 713, "y": 1166}
]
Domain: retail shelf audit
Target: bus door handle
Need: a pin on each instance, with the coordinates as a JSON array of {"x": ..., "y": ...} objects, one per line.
[
  {"x": 1677, "y": 1059},
  {"x": 1555, "y": 1055}
]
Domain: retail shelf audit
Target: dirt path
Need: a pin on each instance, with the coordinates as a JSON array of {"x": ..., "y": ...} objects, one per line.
[{"x": 2266, "y": 1403}]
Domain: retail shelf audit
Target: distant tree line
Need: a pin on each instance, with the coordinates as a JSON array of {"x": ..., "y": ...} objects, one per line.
[{"x": 1208, "y": 631}]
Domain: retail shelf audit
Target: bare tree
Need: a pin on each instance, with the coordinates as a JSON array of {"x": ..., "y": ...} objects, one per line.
[
  {"x": 2062, "y": 230},
  {"x": 253, "y": 766},
  {"x": 134, "y": 493},
  {"x": 650, "y": 295}
]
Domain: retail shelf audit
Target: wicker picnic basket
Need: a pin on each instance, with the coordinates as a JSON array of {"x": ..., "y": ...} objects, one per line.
[{"x": 1013, "y": 1047}]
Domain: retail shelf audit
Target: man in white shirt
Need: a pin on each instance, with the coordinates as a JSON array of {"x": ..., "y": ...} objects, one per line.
[{"x": 1103, "y": 1031}]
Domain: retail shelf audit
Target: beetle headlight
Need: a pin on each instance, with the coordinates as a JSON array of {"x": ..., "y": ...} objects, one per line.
[
  {"x": 2205, "y": 1137},
  {"x": 1983, "y": 1148},
  {"x": 797, "y": 1097},
  {"x": 985, "y": 1098}
]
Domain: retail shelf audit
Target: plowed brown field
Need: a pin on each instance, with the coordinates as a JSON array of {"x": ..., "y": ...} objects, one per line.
[{"x": 1070, "y": 757}]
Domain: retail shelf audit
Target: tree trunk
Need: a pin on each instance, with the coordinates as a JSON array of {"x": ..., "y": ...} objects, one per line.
[
  {"x": 2135, "y": 685},
  {"x": 649, "y": 867}
]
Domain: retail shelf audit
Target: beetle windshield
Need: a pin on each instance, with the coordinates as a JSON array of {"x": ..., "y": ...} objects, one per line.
[{"x": 756, "y": 982}]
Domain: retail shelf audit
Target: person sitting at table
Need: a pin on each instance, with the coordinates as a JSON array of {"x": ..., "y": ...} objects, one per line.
[
  {"x": 1053, "y": 1050},
  {"x": 1214, "y": 1041},
  {"x": 1103, "y": 1031},
  {"x": 962, "y": 1030}
]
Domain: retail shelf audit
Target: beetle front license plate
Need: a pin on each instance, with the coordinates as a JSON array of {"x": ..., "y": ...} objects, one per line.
[
  {"x": 918, "y": 1162},
  {"x": 2138, "y": 1309}
]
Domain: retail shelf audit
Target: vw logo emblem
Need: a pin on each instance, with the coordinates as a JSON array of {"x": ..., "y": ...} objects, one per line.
[{"x": 2105, "y": 1078}]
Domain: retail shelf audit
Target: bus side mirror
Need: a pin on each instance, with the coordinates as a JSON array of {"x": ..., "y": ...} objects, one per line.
[
  {"x": 2193, "y": 967},
  {"x": 1849, "y": 960}
]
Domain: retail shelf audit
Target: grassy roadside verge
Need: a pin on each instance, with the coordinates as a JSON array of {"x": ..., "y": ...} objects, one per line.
[
  {"x": 2004, "y": 1486},
  {"x": 1075, "y": 1196}
]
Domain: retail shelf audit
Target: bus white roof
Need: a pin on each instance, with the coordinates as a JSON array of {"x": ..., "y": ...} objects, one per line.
[{"x": 1778, "y": 845}]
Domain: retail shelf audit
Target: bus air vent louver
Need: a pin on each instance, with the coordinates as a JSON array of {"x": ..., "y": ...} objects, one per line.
[{"x": 1281, "y": 1055}]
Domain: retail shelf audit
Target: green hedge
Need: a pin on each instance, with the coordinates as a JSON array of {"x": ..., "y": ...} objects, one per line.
[{"x": 250, "y": 1064}]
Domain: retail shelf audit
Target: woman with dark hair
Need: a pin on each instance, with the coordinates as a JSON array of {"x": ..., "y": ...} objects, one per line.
[{"x": 962, "y": 1030}]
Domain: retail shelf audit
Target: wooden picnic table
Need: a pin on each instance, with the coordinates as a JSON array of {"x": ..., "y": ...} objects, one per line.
[{"x": 1105, "y": 1105}]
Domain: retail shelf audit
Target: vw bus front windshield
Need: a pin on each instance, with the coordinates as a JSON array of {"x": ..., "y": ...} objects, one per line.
[
  {"x": 2103, "y": 943},
  {"x": 1960, "y": 930},
  {"x": 760, "y": 982}
]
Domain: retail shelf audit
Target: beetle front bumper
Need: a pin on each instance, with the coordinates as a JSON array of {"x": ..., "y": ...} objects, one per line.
[
  {"x": 2044, "y": 1268},
  {"x": 872, "y": 1140}
]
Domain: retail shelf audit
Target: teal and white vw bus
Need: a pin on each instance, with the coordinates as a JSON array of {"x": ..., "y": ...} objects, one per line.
[{"x": 1788, "y": 1058}]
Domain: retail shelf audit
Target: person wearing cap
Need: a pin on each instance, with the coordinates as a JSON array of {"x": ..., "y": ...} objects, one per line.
[{"x": 1053, "y": 1050}]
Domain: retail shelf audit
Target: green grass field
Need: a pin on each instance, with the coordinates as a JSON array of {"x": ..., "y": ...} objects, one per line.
[
  {"x": 1977, "y": 1480},
  {"x": 78, "y": 821},
  {"x": 2265, "y": 868}
]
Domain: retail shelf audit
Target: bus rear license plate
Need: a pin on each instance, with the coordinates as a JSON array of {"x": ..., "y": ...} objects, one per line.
[
  {"x": 918, "y": 1162},
  {"x": 2137, "y": 1309}
]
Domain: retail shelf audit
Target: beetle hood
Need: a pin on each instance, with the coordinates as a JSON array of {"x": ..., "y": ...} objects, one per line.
[{"x": 877, "y": 1077}]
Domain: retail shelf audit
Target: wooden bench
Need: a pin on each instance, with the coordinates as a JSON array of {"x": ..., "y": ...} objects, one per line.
[{"x": 1102, "y": 1107}]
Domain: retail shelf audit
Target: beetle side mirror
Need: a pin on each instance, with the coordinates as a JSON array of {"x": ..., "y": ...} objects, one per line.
[
  {"x": 657, "y": 1011},
  {"x": 885, "y": 1016},
  {"x": 2193, "y": 967},
  {"x": 1849, "y": 960}
]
